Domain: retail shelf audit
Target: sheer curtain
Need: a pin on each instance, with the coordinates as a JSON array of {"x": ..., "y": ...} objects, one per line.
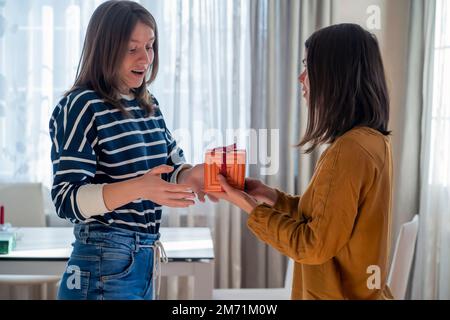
[
  {"x": 204, "y": 91},
  {"x": 40, "y": 44},
  {"x": 432, "y": 267},
  {"x": 279, "y": 31}
]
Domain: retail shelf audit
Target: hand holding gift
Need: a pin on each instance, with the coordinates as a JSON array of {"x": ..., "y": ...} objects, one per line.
[
  {"x": 260, "y": 191},
  {"x": 235, "y": 196}
]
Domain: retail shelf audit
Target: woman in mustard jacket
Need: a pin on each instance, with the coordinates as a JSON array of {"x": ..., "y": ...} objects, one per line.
[{"x": 338, "y": 231}]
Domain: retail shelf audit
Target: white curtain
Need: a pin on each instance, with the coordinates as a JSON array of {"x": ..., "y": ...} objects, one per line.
[
  {"x": 432, "y": 267},
  {"x": 40, "y": 43},
  {"x": 279, "y": 30},
  {"x": 204, "y": 91}
]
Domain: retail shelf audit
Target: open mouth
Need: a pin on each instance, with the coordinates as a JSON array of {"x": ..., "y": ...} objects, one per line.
[{"x": 138, "y": 72}]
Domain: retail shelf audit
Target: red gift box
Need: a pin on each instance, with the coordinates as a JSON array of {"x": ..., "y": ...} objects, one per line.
[{"x": 227, "y": 161}]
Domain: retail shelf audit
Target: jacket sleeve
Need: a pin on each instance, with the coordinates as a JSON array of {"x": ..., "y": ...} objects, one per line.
[
  {"x": 286, "y": 202},
  {"x": 339, "y": 185}
]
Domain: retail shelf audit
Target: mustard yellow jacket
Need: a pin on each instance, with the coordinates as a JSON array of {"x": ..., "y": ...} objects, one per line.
[{"x": 338, "y": 231}]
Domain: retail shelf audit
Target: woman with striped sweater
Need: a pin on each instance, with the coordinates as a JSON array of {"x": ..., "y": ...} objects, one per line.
[{"x": 115, "y": 163}]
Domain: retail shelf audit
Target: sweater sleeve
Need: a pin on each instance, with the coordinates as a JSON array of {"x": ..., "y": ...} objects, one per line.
[
  {"x": 338, "y": 188},
  {"x": 73, "y": 135}
]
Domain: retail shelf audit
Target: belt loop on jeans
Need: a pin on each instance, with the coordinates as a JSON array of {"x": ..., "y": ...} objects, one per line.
[
  {"x": 158, "y": 254},
  {"x": 136, "y": 243},
  {"x": 84, "y": 232}
]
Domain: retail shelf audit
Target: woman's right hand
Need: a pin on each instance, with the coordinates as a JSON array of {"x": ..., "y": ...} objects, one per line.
[
  {"x": 260, "y": 191},
  {"x": 164, "y": 193}
]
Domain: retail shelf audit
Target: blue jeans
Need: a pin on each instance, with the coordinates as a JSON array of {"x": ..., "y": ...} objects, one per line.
[{"x": 108, "y": 264}]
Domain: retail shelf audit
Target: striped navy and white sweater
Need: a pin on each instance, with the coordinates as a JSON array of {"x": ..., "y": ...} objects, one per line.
[{"x": 93, "y": 144}]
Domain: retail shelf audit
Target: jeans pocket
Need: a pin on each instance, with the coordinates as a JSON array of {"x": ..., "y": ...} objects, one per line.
[
  {"x": 116, "y": 263},
  {"x": 75, "y": 280}
]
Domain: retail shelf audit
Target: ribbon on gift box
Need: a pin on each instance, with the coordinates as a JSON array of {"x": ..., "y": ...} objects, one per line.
[{"x": 230, "y": 148}]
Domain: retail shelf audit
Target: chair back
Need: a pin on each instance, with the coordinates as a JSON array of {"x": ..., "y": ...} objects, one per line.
[
  {"x": 289, "y": 274},
  {"x": 402, "y": 259}
]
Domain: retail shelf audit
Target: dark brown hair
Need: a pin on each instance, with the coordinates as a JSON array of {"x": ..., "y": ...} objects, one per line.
[
  {"x": 347, "y": 84},
  {"x": 105, "y": 46}
]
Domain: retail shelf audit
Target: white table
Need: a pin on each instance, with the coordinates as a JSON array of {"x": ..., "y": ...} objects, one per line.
[{"x": 45, "y": 251}]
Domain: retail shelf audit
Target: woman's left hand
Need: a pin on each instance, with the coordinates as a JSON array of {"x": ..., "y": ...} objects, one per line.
[{"x": 237, "y": 197}]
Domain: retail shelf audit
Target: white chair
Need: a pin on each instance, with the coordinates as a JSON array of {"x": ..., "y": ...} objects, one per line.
[
  {"x": 402, "y": 259},
  {"x": 259, "y": 293},
  {"x": 25, "y": 207}
]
